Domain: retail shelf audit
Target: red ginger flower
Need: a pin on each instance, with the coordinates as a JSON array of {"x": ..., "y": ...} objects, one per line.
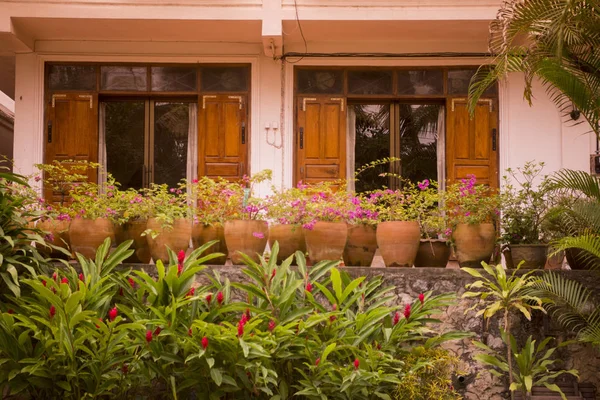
[
  {"x": 179, "y": 269},
  {"x": 131, "y": 282},
  {"x": 181, "y": 256},
  {"x": 317, "y": 361},
  {"x": 271, "y": 325},
  {"x": 191, "y": 292},
  {"x": 55, "y": 276},
  {"x": 10, "y": 311},
  {"x": 125, "y": 368},
  {"x": 81, "y": 278},
  {"x": 356, "y": 363},
  {"x": 157, "y": 331},
  {"x": 112, "y": 314},
  {"x": 308, "y": 287},
  {"x": 190, "y": 332},
  {"x": 396, "y": 318},
  {"x": 220, "y": 298},
  {"x": 148, "y": 336},
  {"x": 44, "y": 282},
  {"x": 241, "y": 328},
  {"x": 407, "y": 311},
  {"x": 64, "y": 280},
  {"x": 209, "y": 298},
  {"x": 52, "y": 311},
  {"x": 421, "y": 298},
  {"x": 204, "y": 342},
  {"x": 248, "y": 316}
]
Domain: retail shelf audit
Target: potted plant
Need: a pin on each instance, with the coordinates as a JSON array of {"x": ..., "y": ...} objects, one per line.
[
  {"x": 472, "y": 211},
  {"x": 434, "y": 249},
  {"x": 246, "y": 231},
  {"x": 286, "y": 210},
  {"x": 325, "y": 227},
  {"x": 361, "y": 244},
  {"x": 133, "y": 211},
  {"x": 398, "y": 231},
  {"x": 524, "y": 208},
  {"x": 170, "y": 225},
  {"x": 212, "y": 205}
]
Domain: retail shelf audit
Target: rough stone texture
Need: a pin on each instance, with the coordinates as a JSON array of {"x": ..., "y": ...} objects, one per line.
[{"x": 475, "y": 382}]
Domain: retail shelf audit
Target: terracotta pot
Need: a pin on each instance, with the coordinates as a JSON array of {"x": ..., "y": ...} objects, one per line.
[
  {"x": 398, "y": 242},
  {"x": 88, "y": 234},
  {"x": 474, "y": 243},
  {"x": 290, "y": 239},
  {"x": 580, "y": 259},
  {"x": 361, "y": 245},
  {"x": 202, "y": 234},
  {"x": 175, "y": 238},
  {"x": 432, "y": 253},
  {"x": 246, "y": 237},
  {"x": 133, "y": 230},
  {"x": 533, "y": 255},
  {"x": 58, "y": 235},
  {"x": 326, "y": 241}
]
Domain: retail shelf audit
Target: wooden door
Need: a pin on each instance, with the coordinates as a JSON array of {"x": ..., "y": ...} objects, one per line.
[
  {"x": 223, "y": 136},
  {"x": 472, "y": 143},
  {"x": 320, "y": 139},
  {"x": 71, "y": 132}
]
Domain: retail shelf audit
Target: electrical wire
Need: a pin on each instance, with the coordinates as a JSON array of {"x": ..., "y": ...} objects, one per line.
[
  {"x": 302, "y": 35},
  {"x": 387, "y": 55}
]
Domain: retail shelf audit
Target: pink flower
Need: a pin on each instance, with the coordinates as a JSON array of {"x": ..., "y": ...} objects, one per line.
[
  {"x": 423, "y": 185},
  {"x": 421, "y": 298},
  {"x": 467, "y": 213},
  {"x": 220, "y": 298},
  {"x": 396, "y": 318},
  {"x": 37, "y": 178},
  {"x": 308, "y": 287},
  {"x": 356, "y": 363},
  {"x": 204, "y": 342},
  {"x": 271, "y": 325},
  {"x": 181, "y": 256},
  {"x": 55, "y": 276},
  {"x": 317, "y": 361},
  {"x": 112, "y": 314},
  {"x": 194, "y": 180},
  {"x": 407, "y": 311}
]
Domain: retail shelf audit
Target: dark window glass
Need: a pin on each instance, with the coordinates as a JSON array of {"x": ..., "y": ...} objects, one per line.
[
  {"x": 123, "y": 78},
  {"x": 173, "y": 79},
  {"x": 320, "y": 81},
  {"x": 418, "y": 141},
  {"x": 225, "y": 79},
  {"x": 421, "y": 82},
  {"x": 124, "y": 131},
  {"x": 72, "y": 77},
  {"x": 171, "y": 127},
  {"x": 459, "y": 80},
  {"x": 372, "y": 142},
  {"x": 370, "y": 82}
]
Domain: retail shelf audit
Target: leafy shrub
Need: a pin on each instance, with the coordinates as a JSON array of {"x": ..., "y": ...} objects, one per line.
[{"x": 314, "y": 333}]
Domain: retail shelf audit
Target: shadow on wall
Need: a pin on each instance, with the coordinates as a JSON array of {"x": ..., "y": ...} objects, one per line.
[{"x": 6, "y": 133}]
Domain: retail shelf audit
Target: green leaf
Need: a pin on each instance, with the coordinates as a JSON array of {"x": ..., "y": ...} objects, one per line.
[
  {"x": 327, "y": 350},
  {"x": 216, "y": 376},
  {"x": 336, "y": 282}
]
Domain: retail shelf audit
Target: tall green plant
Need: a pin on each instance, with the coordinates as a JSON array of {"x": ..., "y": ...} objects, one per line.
[{"x": 499, "y": 293}]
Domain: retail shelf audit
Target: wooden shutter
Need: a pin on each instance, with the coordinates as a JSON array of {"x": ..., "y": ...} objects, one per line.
[
  {"x": 472, "y": 143},
  {"x": 71, "y": 131},
  {"x": 320, "y": 139},
  {"x": 223, "y": 136}
]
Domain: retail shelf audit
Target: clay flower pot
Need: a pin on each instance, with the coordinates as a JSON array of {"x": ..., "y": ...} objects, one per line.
[
  {"x": 133, "y": 230},
  {"x": 246, "y": 237},
  {"x": 176, "y": 237},
  {"x": 202, "y": 234},
  {"x": 533, "y": 255},
  {"x": 326, "y": 240},
  {"x": 57, "y": 235},
  {"x": 361, "y": 245},
  {"x": 398, "y": 242},
  {"x": 290, "y": 239},
  {"x": 88, "y": 234},
  {"x": 433, "y": 253},
  {"x": 474, "y": 243}
]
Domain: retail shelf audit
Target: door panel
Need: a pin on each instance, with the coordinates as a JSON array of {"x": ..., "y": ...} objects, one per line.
[
  {"x": 471, "y": 144},
  {"x": 71, "y": 132},
  {"x": 222, "y": 136},
  {"x": 321, "y": 139},
  {"x": 169, "y": 135}
]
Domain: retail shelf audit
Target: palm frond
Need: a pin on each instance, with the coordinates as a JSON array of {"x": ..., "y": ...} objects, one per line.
[
  {"x": 589, "y": 243},
  {"x": 577, "y": 181}
]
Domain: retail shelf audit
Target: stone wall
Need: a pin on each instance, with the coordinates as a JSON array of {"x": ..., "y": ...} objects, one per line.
[{"x": 474, "y": 382}]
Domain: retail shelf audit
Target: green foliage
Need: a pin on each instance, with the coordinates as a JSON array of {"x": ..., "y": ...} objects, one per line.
[
  {"x": 525, "y": 200},
  {"x": 310, "y": 332},
  {"x": 534, "y": 366}
]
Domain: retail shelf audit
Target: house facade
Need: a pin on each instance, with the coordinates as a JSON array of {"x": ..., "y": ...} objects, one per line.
[{"x": 157, "y": 90}]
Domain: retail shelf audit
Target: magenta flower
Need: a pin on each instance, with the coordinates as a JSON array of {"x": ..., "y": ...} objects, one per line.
[{"x": 423, "y": 185}]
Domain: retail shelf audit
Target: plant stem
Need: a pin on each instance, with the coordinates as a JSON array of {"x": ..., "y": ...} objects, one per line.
[{"x": 508, "y": 352}]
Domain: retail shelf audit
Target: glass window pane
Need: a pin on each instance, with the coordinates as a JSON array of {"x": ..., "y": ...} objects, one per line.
[
  {"x": 171, "y": 127},
  {"x": 224, "y": 79},
  {"x": 124, "y": 133},
  {"x": 370, "y": 82},
  {"x": 72, "y": 77},
  {"x": 123, "y": 78},
  {"x": 421, "y": 82},
  {"x": 372, "y": 142},
  {"x": 459, "y": 80},
  {"x": 173, "y": 79},
  {"x": 320, "y": 81},
  {"x": 418, "y": 141}
]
